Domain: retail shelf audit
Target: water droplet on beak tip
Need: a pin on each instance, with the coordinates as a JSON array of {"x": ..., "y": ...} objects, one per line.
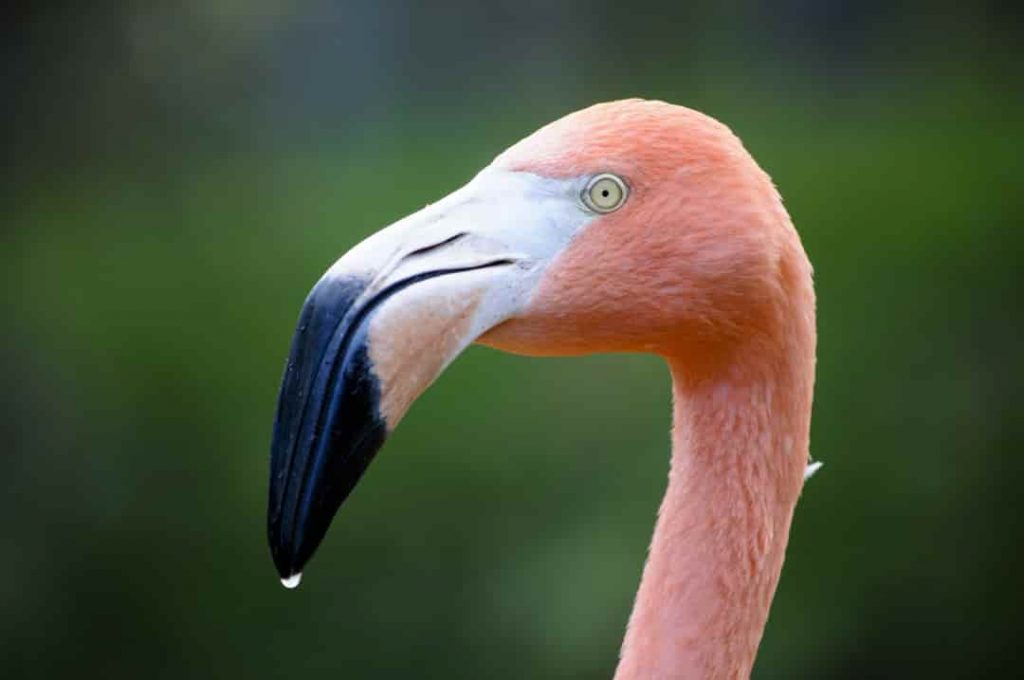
[{"x": 292, "y": 581}]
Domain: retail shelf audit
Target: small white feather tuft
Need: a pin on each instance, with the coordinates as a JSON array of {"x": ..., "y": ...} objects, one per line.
[{"x": 811, "y": 469}]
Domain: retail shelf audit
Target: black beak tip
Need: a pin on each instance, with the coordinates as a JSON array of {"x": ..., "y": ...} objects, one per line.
[
  {"x": 284, "y": 560},
  {"x": 289, "y": 570},
  {"x": 328, "y": 426}
]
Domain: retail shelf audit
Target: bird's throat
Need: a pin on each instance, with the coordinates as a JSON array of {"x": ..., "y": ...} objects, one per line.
[{"x": 739, "y": 451}]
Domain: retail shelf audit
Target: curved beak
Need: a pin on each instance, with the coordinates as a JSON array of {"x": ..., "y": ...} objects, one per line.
[{"x": 382, "y": 324}]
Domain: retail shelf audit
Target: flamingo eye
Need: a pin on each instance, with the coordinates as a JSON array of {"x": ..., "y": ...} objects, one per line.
[{"x": 604, "y": 193}]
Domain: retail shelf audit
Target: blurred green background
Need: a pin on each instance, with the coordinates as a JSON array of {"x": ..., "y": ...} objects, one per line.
[{"x": 176, "y": 176}]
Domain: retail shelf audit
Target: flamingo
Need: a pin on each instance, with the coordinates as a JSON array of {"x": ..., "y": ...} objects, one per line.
[{"x": 629, "y": 226}]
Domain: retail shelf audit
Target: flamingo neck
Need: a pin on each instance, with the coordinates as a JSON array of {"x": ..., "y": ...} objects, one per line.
[{"x": 740, "y": 445}]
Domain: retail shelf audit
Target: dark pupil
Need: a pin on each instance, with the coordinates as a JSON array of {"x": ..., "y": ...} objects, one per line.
[{"x": 605, "y": 193}]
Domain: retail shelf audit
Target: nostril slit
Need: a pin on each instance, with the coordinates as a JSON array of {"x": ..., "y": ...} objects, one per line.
[{"x": 434, "y": 246}]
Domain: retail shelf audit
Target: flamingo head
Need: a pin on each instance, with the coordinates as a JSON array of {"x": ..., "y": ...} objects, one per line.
[{"x": 632, "y": 226}]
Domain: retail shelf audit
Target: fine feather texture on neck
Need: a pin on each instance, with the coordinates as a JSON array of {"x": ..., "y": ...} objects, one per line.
[{"x": 739, "y": 450}]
